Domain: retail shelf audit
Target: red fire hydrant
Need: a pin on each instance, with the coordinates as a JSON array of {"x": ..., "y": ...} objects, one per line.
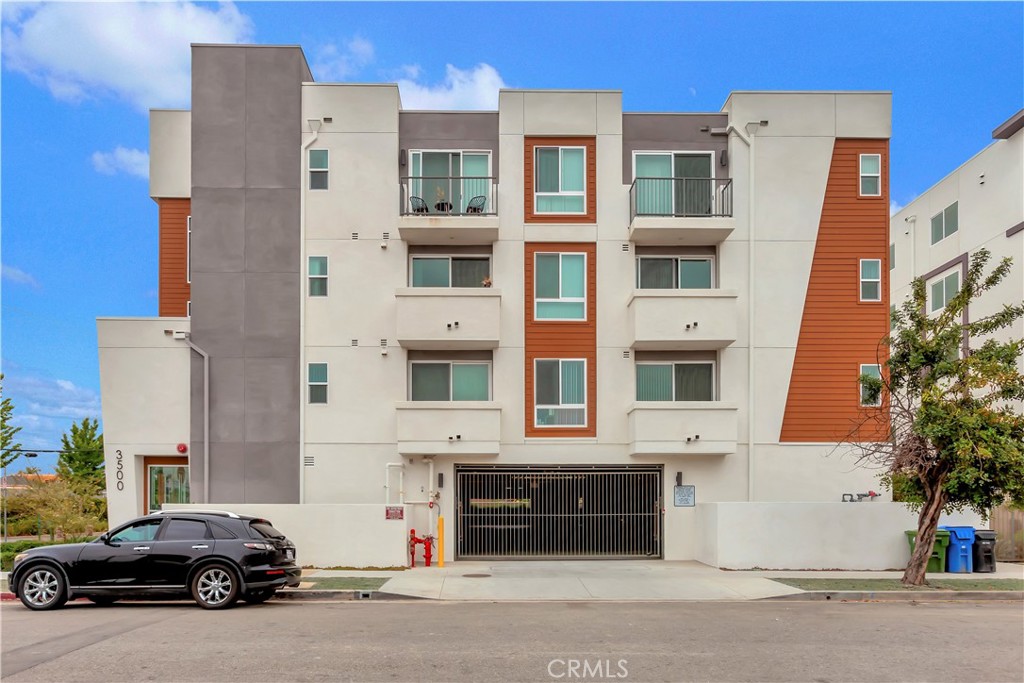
[{"x": 426, "y": 541}]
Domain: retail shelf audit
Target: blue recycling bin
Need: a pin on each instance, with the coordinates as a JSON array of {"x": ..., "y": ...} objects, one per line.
[{"x": 960, "y": 554}]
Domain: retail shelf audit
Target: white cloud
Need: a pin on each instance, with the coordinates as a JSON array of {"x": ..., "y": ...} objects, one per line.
[
  {"x": 122, "y": 160},
  {"x": 137, "y": 52},
  {"x": 693, "y": 91},
  {"x": 45, "y": 408},
  {"x": 475, "y": 88},
  {"x": 333, "y": 64},
  {"x": 18, "y": 276},
  {"x": 894, "y": 207}
]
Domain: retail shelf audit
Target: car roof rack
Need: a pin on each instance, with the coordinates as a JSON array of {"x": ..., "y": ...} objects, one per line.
[{"x": 197, "y": 512}]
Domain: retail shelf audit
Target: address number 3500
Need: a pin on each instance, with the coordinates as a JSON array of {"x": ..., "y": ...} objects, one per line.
[{"x": 120, "y": 470}]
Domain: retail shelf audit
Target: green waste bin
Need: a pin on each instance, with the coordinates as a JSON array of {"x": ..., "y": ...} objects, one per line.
[{"x": 937, "y": 562}]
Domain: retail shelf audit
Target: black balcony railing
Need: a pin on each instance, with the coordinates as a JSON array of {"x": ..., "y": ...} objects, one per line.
[
  {"x": 680, "y": 197},
  {"x": 448, "y": 196}
]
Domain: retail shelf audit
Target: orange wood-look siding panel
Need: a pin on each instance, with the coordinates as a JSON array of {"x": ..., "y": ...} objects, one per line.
[
  {"x": 175, "y": 291},
  {"x": 590, "y": 144},
  {"x": 839, "y": 332},
  {"x": 551, "y": 339}
]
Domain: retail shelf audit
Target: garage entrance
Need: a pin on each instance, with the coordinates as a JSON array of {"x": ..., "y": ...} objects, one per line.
[{"x": 578, "y": 512}]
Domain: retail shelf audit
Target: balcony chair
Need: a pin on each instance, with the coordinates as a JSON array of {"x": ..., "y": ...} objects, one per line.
[
  {"x": 418, "y": 205},
  {"x": 476, "y": 204}
]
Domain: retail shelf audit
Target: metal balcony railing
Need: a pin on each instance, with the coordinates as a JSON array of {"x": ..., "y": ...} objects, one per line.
[
  {"x": 683, "y": 197},
  {"x": 448, "y": 196}
]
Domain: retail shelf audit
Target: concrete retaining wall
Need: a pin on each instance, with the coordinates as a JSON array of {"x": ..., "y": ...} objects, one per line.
[{"x": 808, "y": 535}]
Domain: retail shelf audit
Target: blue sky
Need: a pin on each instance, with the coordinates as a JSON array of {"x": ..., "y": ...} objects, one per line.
[{"x": 79, "y": 232}]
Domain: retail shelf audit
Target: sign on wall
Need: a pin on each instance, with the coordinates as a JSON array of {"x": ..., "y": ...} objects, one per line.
[
  {"x": 394, "y": 512},
  {"x": 685, "y": 496}
]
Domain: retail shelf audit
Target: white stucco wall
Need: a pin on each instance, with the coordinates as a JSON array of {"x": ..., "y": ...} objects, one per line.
[
  {"x": 170, "y": 153},
  {"x": 868, "y": 535},
  {"x": 333, "y": 535}
]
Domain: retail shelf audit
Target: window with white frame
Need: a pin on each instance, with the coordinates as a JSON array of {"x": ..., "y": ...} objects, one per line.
[
  {"x": 318, "y": 276},
  {"x": 672, "y": 272},
  {"x": 870, "y": 175},
  {"x": 450, "y": 271},
  {"x": 870, "y": 279},
  {"x": 945, "y": 222},
  {"x": 318, "y": 169},
  {"x": 188, "y": 253},
  {"x": 868, "y": 396},
  {"x": 676, "y": 381},
  {"x": 317, "y": 380},
  {"x": 560, "y": 392},
  {"x": 942, "y": 290},
  {"x": 449, "y": 381},
  {"x": 559, "y": 286},
  {"x": 451, "y": 181},
  {"x": 674, "y": 183},
  {"x": 560, "y": 180}
]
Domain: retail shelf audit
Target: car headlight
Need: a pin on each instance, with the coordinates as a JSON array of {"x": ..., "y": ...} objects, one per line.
[{"x": 19, "y": 557}]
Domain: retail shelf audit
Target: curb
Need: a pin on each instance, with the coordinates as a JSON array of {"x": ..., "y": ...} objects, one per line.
[
  {"x": 329, "y": 595},
  {"x": 902, "y": 596}
]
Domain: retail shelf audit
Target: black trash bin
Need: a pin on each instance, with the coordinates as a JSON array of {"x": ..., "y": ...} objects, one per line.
[{"x": 984, "y": 550}]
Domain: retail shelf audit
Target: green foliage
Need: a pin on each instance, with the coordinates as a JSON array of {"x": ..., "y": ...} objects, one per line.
[
  {"x": 66, "y": 508},
  {"x": 9, "y": 448},
  {"x": 81, "y": 455}
]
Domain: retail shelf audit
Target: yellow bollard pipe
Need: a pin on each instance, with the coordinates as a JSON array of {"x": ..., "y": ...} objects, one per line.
[{"x": 440, "y": 541}]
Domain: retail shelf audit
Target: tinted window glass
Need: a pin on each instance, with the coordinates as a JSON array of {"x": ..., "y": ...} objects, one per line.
[
  {"x": 220, "y": 532},
  {"x": 143, "y": 531},
  {"x": 184, "y": 530},
  {"x": 264, "y": 529}
]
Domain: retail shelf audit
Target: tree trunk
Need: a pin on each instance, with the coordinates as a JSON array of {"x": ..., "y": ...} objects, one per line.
[{"x": 927, "y": 525}]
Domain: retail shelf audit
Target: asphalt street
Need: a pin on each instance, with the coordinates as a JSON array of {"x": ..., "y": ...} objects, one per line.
[{"x": 516, "y": 641}]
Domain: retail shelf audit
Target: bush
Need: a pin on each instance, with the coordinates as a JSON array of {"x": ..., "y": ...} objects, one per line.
[{"x": 11, "y": 548}]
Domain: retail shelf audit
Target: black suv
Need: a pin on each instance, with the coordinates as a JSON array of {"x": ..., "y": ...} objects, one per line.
[{"x": 216, "y": 557}]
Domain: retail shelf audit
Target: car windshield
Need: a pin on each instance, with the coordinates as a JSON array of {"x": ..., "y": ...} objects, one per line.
[{"x": 263, "y": 528}]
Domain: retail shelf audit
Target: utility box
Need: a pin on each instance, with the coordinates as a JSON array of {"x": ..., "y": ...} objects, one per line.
[
  {"x": 937, "y": 562},
  {"x": 984, "y": 551},
  {"x": 960, "y": 556}
]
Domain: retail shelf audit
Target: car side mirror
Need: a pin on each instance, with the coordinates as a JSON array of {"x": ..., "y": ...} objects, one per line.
[{"x": 106, "y": 539}]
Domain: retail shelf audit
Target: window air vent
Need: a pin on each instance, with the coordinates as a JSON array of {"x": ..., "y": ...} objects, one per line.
[
  {"x": 355, "y": 235},
  {"x": 355, "y": 342},
  {"x": 387, "y": 235},
  {"x": 383, "y": 343},
  {"x": 328, "y": 119},
  {"x": 625, "y": 354},
  {"x": 625, "y": 247},
  {"x": 309, "y": 460}
]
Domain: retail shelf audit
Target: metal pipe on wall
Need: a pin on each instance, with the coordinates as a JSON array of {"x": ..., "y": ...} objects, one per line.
[{"x": 314, "y": 125}]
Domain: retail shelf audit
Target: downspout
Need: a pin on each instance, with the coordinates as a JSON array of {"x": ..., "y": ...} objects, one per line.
[
  {"x": 314, "y": 125},
  {"x": 751, "y": 404},
  {"x": 206, "y": 416}
]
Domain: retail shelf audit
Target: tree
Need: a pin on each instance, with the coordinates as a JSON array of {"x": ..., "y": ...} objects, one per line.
[
  {"x": 955, "y": 439},
  {"x": 67, "y": 508},
  {"x": 81, "y": 454},
  {"x": 9, "y": 448}
]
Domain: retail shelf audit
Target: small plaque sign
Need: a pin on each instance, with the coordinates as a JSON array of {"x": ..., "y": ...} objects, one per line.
[
  {"x": 685, "y": 496},
  {"x": 394, "y": 512}
]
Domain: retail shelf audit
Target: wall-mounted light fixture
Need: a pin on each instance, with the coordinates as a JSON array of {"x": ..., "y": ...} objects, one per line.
[
  {"x": 314, "y": 124},
  {"x": 679, "y": 478}
]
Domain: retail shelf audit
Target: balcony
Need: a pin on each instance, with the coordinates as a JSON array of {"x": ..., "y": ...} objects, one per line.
[
  {"x": 448, "y": 428},
  {"x": 448, "y": 210},
  {"x": 668, "y": 319},
  {"x": 683, "y": 428},
  {"x": 448, "y": 318},
  {"x": 688, "y": 211}
]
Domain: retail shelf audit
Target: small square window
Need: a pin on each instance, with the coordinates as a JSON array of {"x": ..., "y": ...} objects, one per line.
[
  {"x": 560, "y": 287},
  {"x": 943, "y": 290},
  {"x": 945, "y": 222},
  {"x": 560, "y": 393},
  {"x": 318, "y": 169},
  {"x": 870, "y": 175},
  {"x": 560, "y": 180},
  {"x": 870, "y": 279},
  {"x": 318, "y": 276},
  {"x": 868, "y": 397},
  {"x": 317, "y": 380}
]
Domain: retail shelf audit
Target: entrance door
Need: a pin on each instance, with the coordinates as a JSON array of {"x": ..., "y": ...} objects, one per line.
[
  {"x": 559, "y": 512},
  {"x": 166, "y": 482}
]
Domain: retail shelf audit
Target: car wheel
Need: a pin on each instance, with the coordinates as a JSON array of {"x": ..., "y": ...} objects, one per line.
[
  {"x": 258, "y": 596},
  {"x": 215, "y": 587},
  {"x": 42, "y": 588},
  {"x": 103, "y": 600}
]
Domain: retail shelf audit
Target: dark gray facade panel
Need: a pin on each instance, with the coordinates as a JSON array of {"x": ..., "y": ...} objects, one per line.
[
  {"x": 218, "y": 117},
  {"x": 270, "y": 247},
  {"x": 672, "y": 132},
  {"x": 218, "y": 231},
  {"x": 246, "y": 123},
  {"x": 448, "y": 130}
]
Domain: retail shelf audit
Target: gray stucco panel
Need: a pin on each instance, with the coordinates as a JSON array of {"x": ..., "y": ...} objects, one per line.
[{"x": 672, "y": 132}]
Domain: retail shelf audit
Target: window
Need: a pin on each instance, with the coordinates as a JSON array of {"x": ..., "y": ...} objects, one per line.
[
  {"x": 560, "y": 393},
  {"x": 140, "y": 532},
  {"x": 681, "y": 381},
  {"x": 870, "y": 279},
  {"x": 943, "y": 290},
  {"x": 318, "y": 276},
  {"x": 674, "y": 183},
  {"x": 945, "y": 223},
  {"x": 674, "y": 272},
  {"x": 318, "y": 169},
  {"x": 449, "y": 181},
  {"x": 220, "y": 532},
  {"x": 560, "y": 180},
  {"x": 871, "y": 175},
  {"x": 559, "y": 287},
  {"x": 892, "y": 256},
  {"x": 188, "y": 253},
  {"x": 450, "y": 271},
  {"x": 450, "y": 381},
  {"x": 167, "y": 484},
  {"x": 868, "y": 397},
  {"x": 184, "y": 530},
  {"x": 318, "y": 382}
]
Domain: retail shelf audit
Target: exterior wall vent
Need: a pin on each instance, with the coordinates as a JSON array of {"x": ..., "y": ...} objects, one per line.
[
  {"x": 387, "y": 235},
  {"x": 355, "y": 342},
  {"x": 625, "y": 354},
  {"x": 383, "y": 343},
  {"x": 309, "y": 460},
  {"x": 355, "y": 235},
  {"x": 625, "y": 247}
]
